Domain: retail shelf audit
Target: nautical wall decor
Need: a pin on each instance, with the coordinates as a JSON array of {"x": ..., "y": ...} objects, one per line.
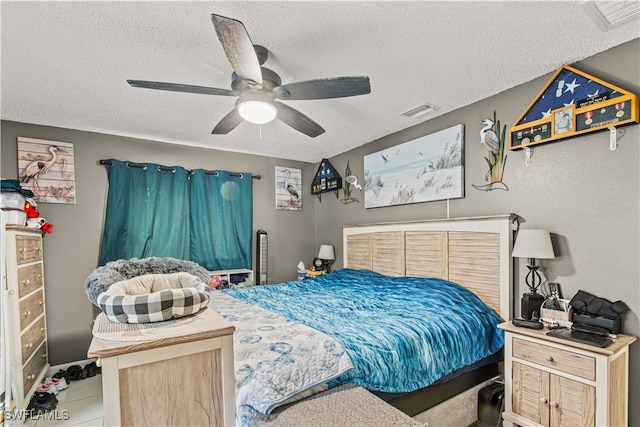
[
  {"x": 288, "y": 188},
  {"x": 573, "y": 103},
  {"x": 47, "y": 169},
  {"x": 492, "y": 137},
  {"x": 327, "y": 179},
  {"x": 422, "y": 170}
]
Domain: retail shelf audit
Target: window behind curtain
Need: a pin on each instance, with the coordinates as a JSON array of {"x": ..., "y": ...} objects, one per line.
[{"x": 155, "y": 210}]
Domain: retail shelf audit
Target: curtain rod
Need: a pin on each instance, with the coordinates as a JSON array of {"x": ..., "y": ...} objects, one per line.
[{"x": 169, "y": 169}]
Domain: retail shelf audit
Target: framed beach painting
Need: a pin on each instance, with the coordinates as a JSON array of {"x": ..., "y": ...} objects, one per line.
[
  {"x": 288, "y": 188},
  {"x": 47, "y": 168},
  {"x": 425, "y": 169}
]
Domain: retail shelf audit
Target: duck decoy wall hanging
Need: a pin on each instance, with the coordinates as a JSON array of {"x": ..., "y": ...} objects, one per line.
[
  {"x": 573, "y": 103},
  {"x": 493, "y": 139}
]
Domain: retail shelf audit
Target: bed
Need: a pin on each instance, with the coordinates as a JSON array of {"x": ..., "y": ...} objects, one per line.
[{"x": 354, "y": 325}]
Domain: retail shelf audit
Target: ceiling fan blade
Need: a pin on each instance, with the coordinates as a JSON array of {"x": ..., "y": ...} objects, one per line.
[
  {"x": 176, "y": 87},
  {"x": 333, "y": 87},
  {"x": 239, "y": 49},
  {"x": 228, "y": 123},
  {"x": 298, "y": 121}
]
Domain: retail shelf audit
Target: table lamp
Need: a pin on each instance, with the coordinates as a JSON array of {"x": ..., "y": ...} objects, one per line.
[
  {"x": 327, "y": 255},
  {"x": 532, "y": 244}
]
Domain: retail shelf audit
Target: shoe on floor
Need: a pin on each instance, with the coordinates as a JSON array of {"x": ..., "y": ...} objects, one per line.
[
  {"x": 59, "y": 383},
  {"x": 47, "y": 387},
  {"x": 41, "y": 402},
  {"x": 76, "y": 373},
  {"x": 62, "y": 373}
]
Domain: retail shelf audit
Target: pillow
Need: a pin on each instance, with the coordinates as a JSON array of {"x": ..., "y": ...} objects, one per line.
[{"x": 154, "y": 298}]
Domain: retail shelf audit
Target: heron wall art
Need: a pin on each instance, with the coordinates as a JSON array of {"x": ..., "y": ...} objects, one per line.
[{"x": 47, "y": 168}]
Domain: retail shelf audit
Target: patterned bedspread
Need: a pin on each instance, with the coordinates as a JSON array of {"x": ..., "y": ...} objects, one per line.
[
  {"x": 401, "y": 333},
  {"x": 276, "y": 358},
  {"x": 398, "y": 333}
]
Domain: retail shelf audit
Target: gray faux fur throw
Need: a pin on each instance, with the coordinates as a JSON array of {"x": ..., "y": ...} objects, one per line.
[{"x": 115, "y": 271}]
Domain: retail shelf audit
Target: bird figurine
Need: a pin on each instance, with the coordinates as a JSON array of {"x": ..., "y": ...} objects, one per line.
[
  {"x": 488, "y": 137},
  {"x": 38, "y": 167},
  {"x": 290, "y": 188}
]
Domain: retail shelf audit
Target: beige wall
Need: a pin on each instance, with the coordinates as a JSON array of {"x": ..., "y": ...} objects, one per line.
[
  {"x": 72, "y": 250},
  {"x": 586, "y": 195}
]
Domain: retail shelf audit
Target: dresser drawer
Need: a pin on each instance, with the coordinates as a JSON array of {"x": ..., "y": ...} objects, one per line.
[
  {"x": 29, "y": 279},
  {"x": 31, "y": 372},
  {"x": 28, "y": 249},
  {"x": 551, "y": 357},
  {"x": 32, "y": 338},
  {"x": 30, "y": 308}
]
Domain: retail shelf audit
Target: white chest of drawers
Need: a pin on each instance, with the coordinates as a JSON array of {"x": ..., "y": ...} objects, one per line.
[
  {"x": 554, "y": 382},
  {"x": 24, "y": 281}
]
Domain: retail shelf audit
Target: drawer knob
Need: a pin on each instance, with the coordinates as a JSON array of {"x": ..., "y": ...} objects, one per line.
[
  {"x": 27, "y": 313},
  {"x": 553, "y": 404},
  {"x": 29, "y": 345},
  {"x": 32, "y": 376},
  {"x": 543, "y": 400},
  {"x": 548, "y": 358}
]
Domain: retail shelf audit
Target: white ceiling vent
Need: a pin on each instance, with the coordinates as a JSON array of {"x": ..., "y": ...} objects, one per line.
[
  {"x": 611, "y": 14},
  {"x": 420, "y": 110}
]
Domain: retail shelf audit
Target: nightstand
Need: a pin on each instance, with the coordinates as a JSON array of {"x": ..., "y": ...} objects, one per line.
[{"x": 551, "y": 381}]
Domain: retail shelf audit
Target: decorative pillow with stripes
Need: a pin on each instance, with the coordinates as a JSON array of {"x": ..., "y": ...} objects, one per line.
[{"x": 154, "y": 298}]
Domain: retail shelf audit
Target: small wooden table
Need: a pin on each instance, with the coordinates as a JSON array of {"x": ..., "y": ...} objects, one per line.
[{"x": 179, "y": 380}]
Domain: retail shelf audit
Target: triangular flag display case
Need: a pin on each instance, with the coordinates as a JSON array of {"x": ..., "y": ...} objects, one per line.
[
  {"x": 573, "y": 103},
  {"x": 326, "y": 179}
]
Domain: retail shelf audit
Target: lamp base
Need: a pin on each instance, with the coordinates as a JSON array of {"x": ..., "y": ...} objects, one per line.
[{"x": 530, "y": 306}]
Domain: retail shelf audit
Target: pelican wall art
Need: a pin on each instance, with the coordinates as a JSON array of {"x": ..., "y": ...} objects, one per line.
[
  {"x": 493, "y": 139},
  {"x": 422, "y": 170},
  {"x": 288, "y": 188},
  {"x": 47, "y": 169}
]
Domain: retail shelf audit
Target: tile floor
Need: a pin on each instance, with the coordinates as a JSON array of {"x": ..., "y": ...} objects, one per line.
[{"x": 79, "y": 405}]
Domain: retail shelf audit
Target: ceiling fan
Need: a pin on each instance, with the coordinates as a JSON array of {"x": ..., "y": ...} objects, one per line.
[{"x": 259, "y": 88}]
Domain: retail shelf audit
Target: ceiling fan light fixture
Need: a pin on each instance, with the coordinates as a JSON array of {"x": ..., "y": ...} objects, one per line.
[{"x": 258, "y": 112}]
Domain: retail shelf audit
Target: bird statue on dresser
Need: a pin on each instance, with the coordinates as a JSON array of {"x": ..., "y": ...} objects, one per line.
[
  {"x": 488, "y": 137},
  {"x": 38, "y": 167}
]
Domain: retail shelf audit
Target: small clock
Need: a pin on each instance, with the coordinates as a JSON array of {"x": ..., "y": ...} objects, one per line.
[{"x": 318, "y": 263}]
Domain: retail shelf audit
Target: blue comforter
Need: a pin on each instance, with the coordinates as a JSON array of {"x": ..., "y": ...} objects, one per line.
[{"x": 401, "y": 333}]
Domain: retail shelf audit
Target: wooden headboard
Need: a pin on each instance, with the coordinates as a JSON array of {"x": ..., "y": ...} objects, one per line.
[{"x": 474, "y": 252}]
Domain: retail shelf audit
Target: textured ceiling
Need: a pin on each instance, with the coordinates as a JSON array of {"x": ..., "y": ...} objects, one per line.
[{"x": 65, "y": 64}]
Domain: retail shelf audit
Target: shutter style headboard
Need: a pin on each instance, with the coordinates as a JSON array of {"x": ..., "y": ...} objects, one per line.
[{"x": 474, "y": 252}]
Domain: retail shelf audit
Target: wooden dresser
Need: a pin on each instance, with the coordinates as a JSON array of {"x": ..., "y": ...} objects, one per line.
[
  {"x": 553, "y": 382},
  {"x": 24, "y": 273},
  {"x": 185, "y": 379}
]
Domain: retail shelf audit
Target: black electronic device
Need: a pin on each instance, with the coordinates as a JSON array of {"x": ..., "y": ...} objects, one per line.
[
  {"x": 530, "y": 306},
  {"x": 531, "y": 324},
  {"x": 581, "y": 337},
  {"x": 588, "y": 329}
]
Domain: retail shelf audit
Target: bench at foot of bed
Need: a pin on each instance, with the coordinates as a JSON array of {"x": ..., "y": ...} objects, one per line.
[{"x": 346, "y": 405}]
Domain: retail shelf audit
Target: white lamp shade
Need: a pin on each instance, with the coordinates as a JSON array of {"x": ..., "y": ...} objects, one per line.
[
  {"x": 533, "y": 244},
  {"x": 257, "y": 112},
  {"x": 326, "y": 252}
]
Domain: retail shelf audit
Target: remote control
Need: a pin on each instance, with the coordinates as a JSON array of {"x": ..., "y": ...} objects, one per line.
[{"x": 531, "y": 324}]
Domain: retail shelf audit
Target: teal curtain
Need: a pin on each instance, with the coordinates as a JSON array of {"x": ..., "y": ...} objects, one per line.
[
  {"x": 168, "y": 211},
  {"x": 221, "y": 219}
]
